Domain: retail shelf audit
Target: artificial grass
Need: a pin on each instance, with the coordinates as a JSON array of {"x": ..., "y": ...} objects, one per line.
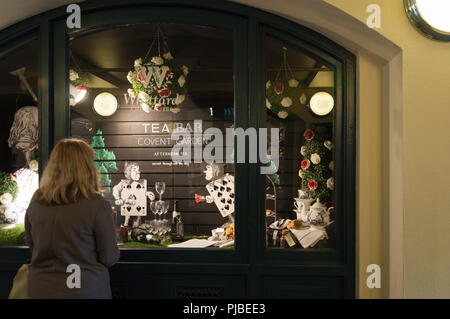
[{"x": 14, "y": 236}]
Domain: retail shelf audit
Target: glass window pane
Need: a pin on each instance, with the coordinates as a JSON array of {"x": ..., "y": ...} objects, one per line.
[
  {"x": 181, "y": 81},
  {"x": 300, "y": 102},
  {"x": 19, "y": 133}
]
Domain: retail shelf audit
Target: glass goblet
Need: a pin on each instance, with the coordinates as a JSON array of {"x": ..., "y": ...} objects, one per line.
[
  {"x": 160, "y": 188},
  {"x": 154, "y": 207},
  {"x": 164, "y": 207}
]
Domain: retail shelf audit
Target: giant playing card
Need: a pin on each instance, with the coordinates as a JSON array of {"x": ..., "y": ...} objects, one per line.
[
  {"x": 222, "y": 190},
  {"x": 134, "y": 198}
]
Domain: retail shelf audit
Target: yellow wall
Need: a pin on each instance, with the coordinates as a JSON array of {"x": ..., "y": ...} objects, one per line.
[
  {"x": 370, "y": 195},
  {"x": 371, "y": 198},
  {"x": 426, "y": 133}
]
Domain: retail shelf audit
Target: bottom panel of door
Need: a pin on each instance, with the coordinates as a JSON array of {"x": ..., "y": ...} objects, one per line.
[
  {"x": 178, "y": 286},
  {"x": 293, "y": 287}
]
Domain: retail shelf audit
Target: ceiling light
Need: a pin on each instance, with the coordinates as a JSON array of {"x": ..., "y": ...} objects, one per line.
[
  {"x": 321, "y": 103},
  {"x": 105, "y": 104},
  {"x": 430, "y": 17}
]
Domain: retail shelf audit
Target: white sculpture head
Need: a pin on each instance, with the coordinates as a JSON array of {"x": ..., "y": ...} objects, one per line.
[
  {"x": 24, "y": 129},
  {"x": 213, "y": 171},
  {"x": 131, "y": 171}
]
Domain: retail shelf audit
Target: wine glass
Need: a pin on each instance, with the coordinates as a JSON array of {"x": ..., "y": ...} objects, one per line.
[
  {"x": 148, "y": 225},
  {"x": 168, "y": 226},
  {"x": 155, "y": 209},
  {"x": 160, "y": 188},
  {"x": 164, "y": 207},
  {"x": 160, "y": 227}
]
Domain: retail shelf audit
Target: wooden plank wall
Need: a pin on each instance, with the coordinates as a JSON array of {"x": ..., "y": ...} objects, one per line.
[
  {"x": 291, "y": 139},
  {"x": 134, "y": 135}
]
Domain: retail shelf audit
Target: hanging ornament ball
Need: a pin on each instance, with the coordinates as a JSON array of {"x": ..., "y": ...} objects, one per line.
[
  {"x": 283, "y": 96},
  {"x": 159, "y": 83}
]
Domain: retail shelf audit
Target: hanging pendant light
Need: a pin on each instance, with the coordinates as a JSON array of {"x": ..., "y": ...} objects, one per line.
[
  {"x": 321, "y": 103},
  {"x": 105, "y": 104}
]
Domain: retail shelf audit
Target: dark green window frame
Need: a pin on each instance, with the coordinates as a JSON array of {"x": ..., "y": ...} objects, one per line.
[{"x": 250, "y": 26}]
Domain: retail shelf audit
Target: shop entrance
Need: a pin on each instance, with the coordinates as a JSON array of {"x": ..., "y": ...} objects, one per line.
[{"x": 128, "y": 79}]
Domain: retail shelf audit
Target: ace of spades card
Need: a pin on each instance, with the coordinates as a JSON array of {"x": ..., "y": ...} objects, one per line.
[
  {"x": 134, "y": 198},
  {"x": 222, "y": 190}
]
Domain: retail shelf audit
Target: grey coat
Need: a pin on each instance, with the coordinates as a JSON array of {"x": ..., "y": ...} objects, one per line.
[{"x": 81, "y": 233}]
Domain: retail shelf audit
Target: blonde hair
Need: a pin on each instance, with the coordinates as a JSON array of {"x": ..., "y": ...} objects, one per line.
[{"x": 70, "y": 172}]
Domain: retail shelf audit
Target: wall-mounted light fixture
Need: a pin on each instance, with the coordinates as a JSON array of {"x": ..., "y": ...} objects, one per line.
[
  {"x": 77, "y": 93},
  {"x": 321, "y": 103},
  {"x": 431, "y": 17},
  {"x": 105, "y": 104}
]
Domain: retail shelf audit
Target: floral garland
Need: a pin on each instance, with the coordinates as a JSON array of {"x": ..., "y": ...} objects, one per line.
[
  {"x": 8, "y": 188},
  {"x": 317, "y": 165},
  {"x": 283, "y": 96},
  {"x": 158, "y": 83}
]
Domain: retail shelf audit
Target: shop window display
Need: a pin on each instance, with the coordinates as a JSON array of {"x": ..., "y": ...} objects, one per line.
[
  {"x": 19, "y": 177},
  {"x": 163, "y": 80},
  {"x": 299, "y": 101}
]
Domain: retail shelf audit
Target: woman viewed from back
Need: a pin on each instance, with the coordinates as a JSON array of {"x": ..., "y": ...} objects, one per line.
[{"x": 69, "y": 223}]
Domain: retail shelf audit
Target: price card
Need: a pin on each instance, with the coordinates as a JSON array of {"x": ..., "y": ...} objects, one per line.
[{"x": 289, "y": 240}]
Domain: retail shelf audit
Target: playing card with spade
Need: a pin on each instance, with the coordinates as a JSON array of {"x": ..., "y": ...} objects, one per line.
[
  {"x": 222, "y": 190},
  {"x": 134, "y": 198}
]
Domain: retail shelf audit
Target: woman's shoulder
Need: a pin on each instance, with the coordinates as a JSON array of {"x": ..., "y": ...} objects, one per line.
[
  {"x": 37, "y": 198},
  {"x": 96, "y": 198},
  {"x": 97, "y": 201}
]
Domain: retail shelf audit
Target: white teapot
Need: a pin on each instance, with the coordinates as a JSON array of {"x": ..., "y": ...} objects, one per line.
[
  {"x": 318, "y": 214},
  {"x": 302, "y": 208}
]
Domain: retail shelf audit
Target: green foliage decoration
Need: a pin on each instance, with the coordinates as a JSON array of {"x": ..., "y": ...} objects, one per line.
[
  {"x": 320, "y": 172},
  {"x": 105, "y": 160},
  {"x": 283, "y": 96},
  {"x": 13, "y": 236},
  {"x": 8, "y": 185}
]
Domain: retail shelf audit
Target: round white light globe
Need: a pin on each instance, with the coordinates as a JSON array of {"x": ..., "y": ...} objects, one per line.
[
  {"x": 105, "y": 104},
  {"x": 321, "y": 103},
  {"x": 435, "y": 12}
]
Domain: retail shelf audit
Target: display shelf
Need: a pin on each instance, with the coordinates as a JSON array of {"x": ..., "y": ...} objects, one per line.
[{"x": 135, "y": 244}]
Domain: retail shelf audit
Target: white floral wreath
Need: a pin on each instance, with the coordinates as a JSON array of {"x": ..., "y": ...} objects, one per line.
[{"x": 158, "y": 83}]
